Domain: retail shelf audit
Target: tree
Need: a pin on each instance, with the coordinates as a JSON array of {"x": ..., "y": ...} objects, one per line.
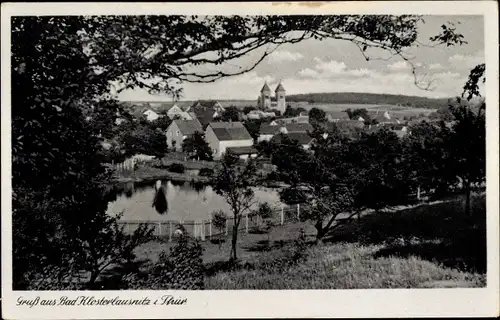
[
  {"x": 356, "y": 113},
  {"x": 247, "y": 109},
  {"x": 313, "y": 183},
  {"x": 293, "y": 112},
  {"x": 230, "y": 114},
  {"x": 234, "y": 184},
  {"x": 253, "y": 127},
  {"x": 317, "y": 115},
  {"x": 219, "y": 221},
  {"x": 196, "y": 147},
  {"x": 467, "y": 147}
]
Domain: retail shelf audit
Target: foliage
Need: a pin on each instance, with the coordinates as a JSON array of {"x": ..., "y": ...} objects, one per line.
[
  {"x": 293, "y": 112},
  {"x": 264, "y": 211},
  {"x": 219, "y": 221},
  {"x": 247, "y": 109},
  {"x": 367, "y": 98},
  {"x": 206, "y": 172},
  {"x": 233, "y": 182},
  {"x": 177, "y": 167},
  {"x": 196, "y": 146},
  {"x": 356, "y": 113},
  {"x": 230, "y": 113},
  {"x": 142, "y": 138},
  {"x": 476, "y": 76},
  {"x": 182, "y": 269},
  {"x": 317, "y": 115},
  {"x": 253, "y": 127}
]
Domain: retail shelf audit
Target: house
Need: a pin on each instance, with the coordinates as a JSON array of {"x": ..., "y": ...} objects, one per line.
[
  {"x": 209, "y": 104},
  {"x": 304, "y": 139},
  {"x": 204, "y": 115},
  {"x": 244, "y": 152},
  {"x": 259, "y": 114},
  {"x": 334, "y": 116},
  {"x": 223, "y": 135},
  {"x": 174, "y": 111},
  {"x": 151, "y": 115},
  {"x": 297, "y": 119},
  {"x": 400, "y": 130},
  {"x": 180, "y": 130},
  {"x": 349, "y": 125},
  {"x": 268, "y": 131},
  {"x": 382, "y": 117}
]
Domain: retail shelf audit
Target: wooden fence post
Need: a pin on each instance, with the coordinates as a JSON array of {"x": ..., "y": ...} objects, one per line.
[
  {"x": 418, "y": 193},
  {"x": 246, "y": 223},
  {"x": 227, "y": 226},
  {"x": 159, "y": 229},
  {"x": 170, "y": 231},
  {"x": 282, "y": 216},
  {"x": 210, "y": 229},
  {"x": 298, "y": 211}
]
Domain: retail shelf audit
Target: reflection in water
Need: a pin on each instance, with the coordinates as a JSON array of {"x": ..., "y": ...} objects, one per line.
[
  {"x": 181, "y": 200},
  {"x": 160, "y": 201}
]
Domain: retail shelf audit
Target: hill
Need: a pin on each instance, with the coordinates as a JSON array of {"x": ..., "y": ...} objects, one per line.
[{"x": 368, "y": 98}]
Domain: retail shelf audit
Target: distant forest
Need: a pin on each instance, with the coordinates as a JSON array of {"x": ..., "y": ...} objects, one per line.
[{"x": 368, "y": 98}]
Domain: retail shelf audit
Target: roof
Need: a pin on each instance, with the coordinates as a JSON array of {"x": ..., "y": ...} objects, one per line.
[
  {"x": 205, "y": 103},
  {"x": 225, "y": 131},
  {"x": 266, "y": 128},
  {"x": 188, "y": 127},
  {"x": 265, "y": 88},
  {"x": 299, "y": 127},
  {"x": 242, "y": 150},
  {"x": 204, "y": 115},
  {"x": 337, "y": 115},
  {"x": 301, "y": 137},
  {"x": 349, "y": 124},
  {"x": 280, "y": 87}
]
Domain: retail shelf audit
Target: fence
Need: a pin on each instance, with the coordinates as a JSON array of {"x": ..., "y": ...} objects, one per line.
[{"x": 204, "y": 230}]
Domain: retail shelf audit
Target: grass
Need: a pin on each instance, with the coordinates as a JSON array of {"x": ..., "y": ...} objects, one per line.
[{"x": 428, "y": 246}]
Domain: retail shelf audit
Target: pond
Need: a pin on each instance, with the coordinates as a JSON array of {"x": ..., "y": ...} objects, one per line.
[{"x": 185, "y": 201}]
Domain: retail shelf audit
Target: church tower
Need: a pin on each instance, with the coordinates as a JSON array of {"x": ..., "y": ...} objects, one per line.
[
  {"x": 280, "y": 98},
  {"x": 265, "y": 97}
]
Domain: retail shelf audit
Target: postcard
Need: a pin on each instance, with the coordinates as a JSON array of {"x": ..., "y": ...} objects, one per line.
[{"x": 250, "y": 160}]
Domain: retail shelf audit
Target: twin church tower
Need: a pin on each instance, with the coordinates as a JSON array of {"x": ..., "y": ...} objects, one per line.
[{"x": 266, "y": 101}]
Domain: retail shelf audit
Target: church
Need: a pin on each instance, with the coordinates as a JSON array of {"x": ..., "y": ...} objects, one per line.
[{"x": 266, "y": 101}]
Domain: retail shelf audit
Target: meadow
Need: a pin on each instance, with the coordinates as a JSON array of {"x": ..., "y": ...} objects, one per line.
[{"x": 431, "y": 245}]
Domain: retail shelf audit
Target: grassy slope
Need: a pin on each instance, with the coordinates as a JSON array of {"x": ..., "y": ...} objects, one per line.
[{"x": 427, "y": 246}]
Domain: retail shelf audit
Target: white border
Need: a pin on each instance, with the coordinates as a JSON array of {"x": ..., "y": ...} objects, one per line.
[{"x": 291, "y": 304}]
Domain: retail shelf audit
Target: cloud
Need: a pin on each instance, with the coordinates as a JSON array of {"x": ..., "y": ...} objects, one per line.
[
  {"x": 399, "y": 65},
  {"x": 332, "y": 69},
  {"x": 435, "y": 66},
  {"x": 466, "y": 61},
  {"x": 285, "y": 56}
]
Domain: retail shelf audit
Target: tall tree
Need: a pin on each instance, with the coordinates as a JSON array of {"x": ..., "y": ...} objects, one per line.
[
  {"x": 317, "y": 115},
  {"x": 233, "y": 182},
  {"x": 197, "y": 147},
  {"x": 231, "y": 113}
]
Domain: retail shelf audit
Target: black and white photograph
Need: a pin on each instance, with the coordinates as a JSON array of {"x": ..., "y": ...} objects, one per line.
[{"x": 184, "y": 152}]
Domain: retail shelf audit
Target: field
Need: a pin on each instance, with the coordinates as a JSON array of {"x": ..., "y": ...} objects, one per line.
[{"x": 427, "y": 246}]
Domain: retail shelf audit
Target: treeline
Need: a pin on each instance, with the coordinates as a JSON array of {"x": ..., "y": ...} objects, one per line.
[{"x": 368, "y": 98}]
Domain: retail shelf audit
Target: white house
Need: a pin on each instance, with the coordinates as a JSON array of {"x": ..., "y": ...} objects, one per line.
[
  {"x": 268, "y": 131},
  {"x": 223, "y": 135},
  {"x": 179, "y": 130},
  {"x": 151, "y": 115},
  {"x": 176, "y": 111}
]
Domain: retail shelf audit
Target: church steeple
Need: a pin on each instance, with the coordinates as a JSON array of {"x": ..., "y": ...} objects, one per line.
[
  {"x": 265, "y": 88},
  {"x": 280, "y": 88}
]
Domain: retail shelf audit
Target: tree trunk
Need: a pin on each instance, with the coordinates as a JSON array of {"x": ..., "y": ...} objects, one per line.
[
  {"x": 233, "y": 256},
  {"x": 320, "y": 233},
  {"x": 467, "y": 198}
]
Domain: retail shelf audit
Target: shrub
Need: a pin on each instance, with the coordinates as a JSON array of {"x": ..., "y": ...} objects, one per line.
[
  {"x": 206, "y": 172},
  {"x": 219, "y": 219},
  {"x": 177, "y": 167},
  {"x": 181, "y": 269}
]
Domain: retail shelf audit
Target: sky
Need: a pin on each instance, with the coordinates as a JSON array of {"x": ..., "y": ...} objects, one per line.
[{"x": 338, "y": 66}]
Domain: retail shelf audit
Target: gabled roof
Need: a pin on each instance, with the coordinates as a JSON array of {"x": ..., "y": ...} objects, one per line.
[
  {"x": 188, "y": 127},
  {"x": 337, "y": 115},
  {"x": 265, "y": 88},
  {"x": 205, "y": 103},
  {"x": 266, "y": 128},
  {"x": 204, "y": 115},
  {"x": 280, "y": 88},
  {"x": 302, "y": 137},
  {"x": 225, "y": 131},
  {"x": 299, "y": 127}
]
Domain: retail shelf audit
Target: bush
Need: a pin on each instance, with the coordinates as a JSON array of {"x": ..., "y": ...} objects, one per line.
[
  {"x": 177, "y": 167},
  {"x": 181, "y": 269},
  {"x": 206, "y": 172}
]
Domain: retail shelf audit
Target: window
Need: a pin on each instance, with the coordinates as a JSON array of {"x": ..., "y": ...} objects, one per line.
[{"x": 178, "y": 132}]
